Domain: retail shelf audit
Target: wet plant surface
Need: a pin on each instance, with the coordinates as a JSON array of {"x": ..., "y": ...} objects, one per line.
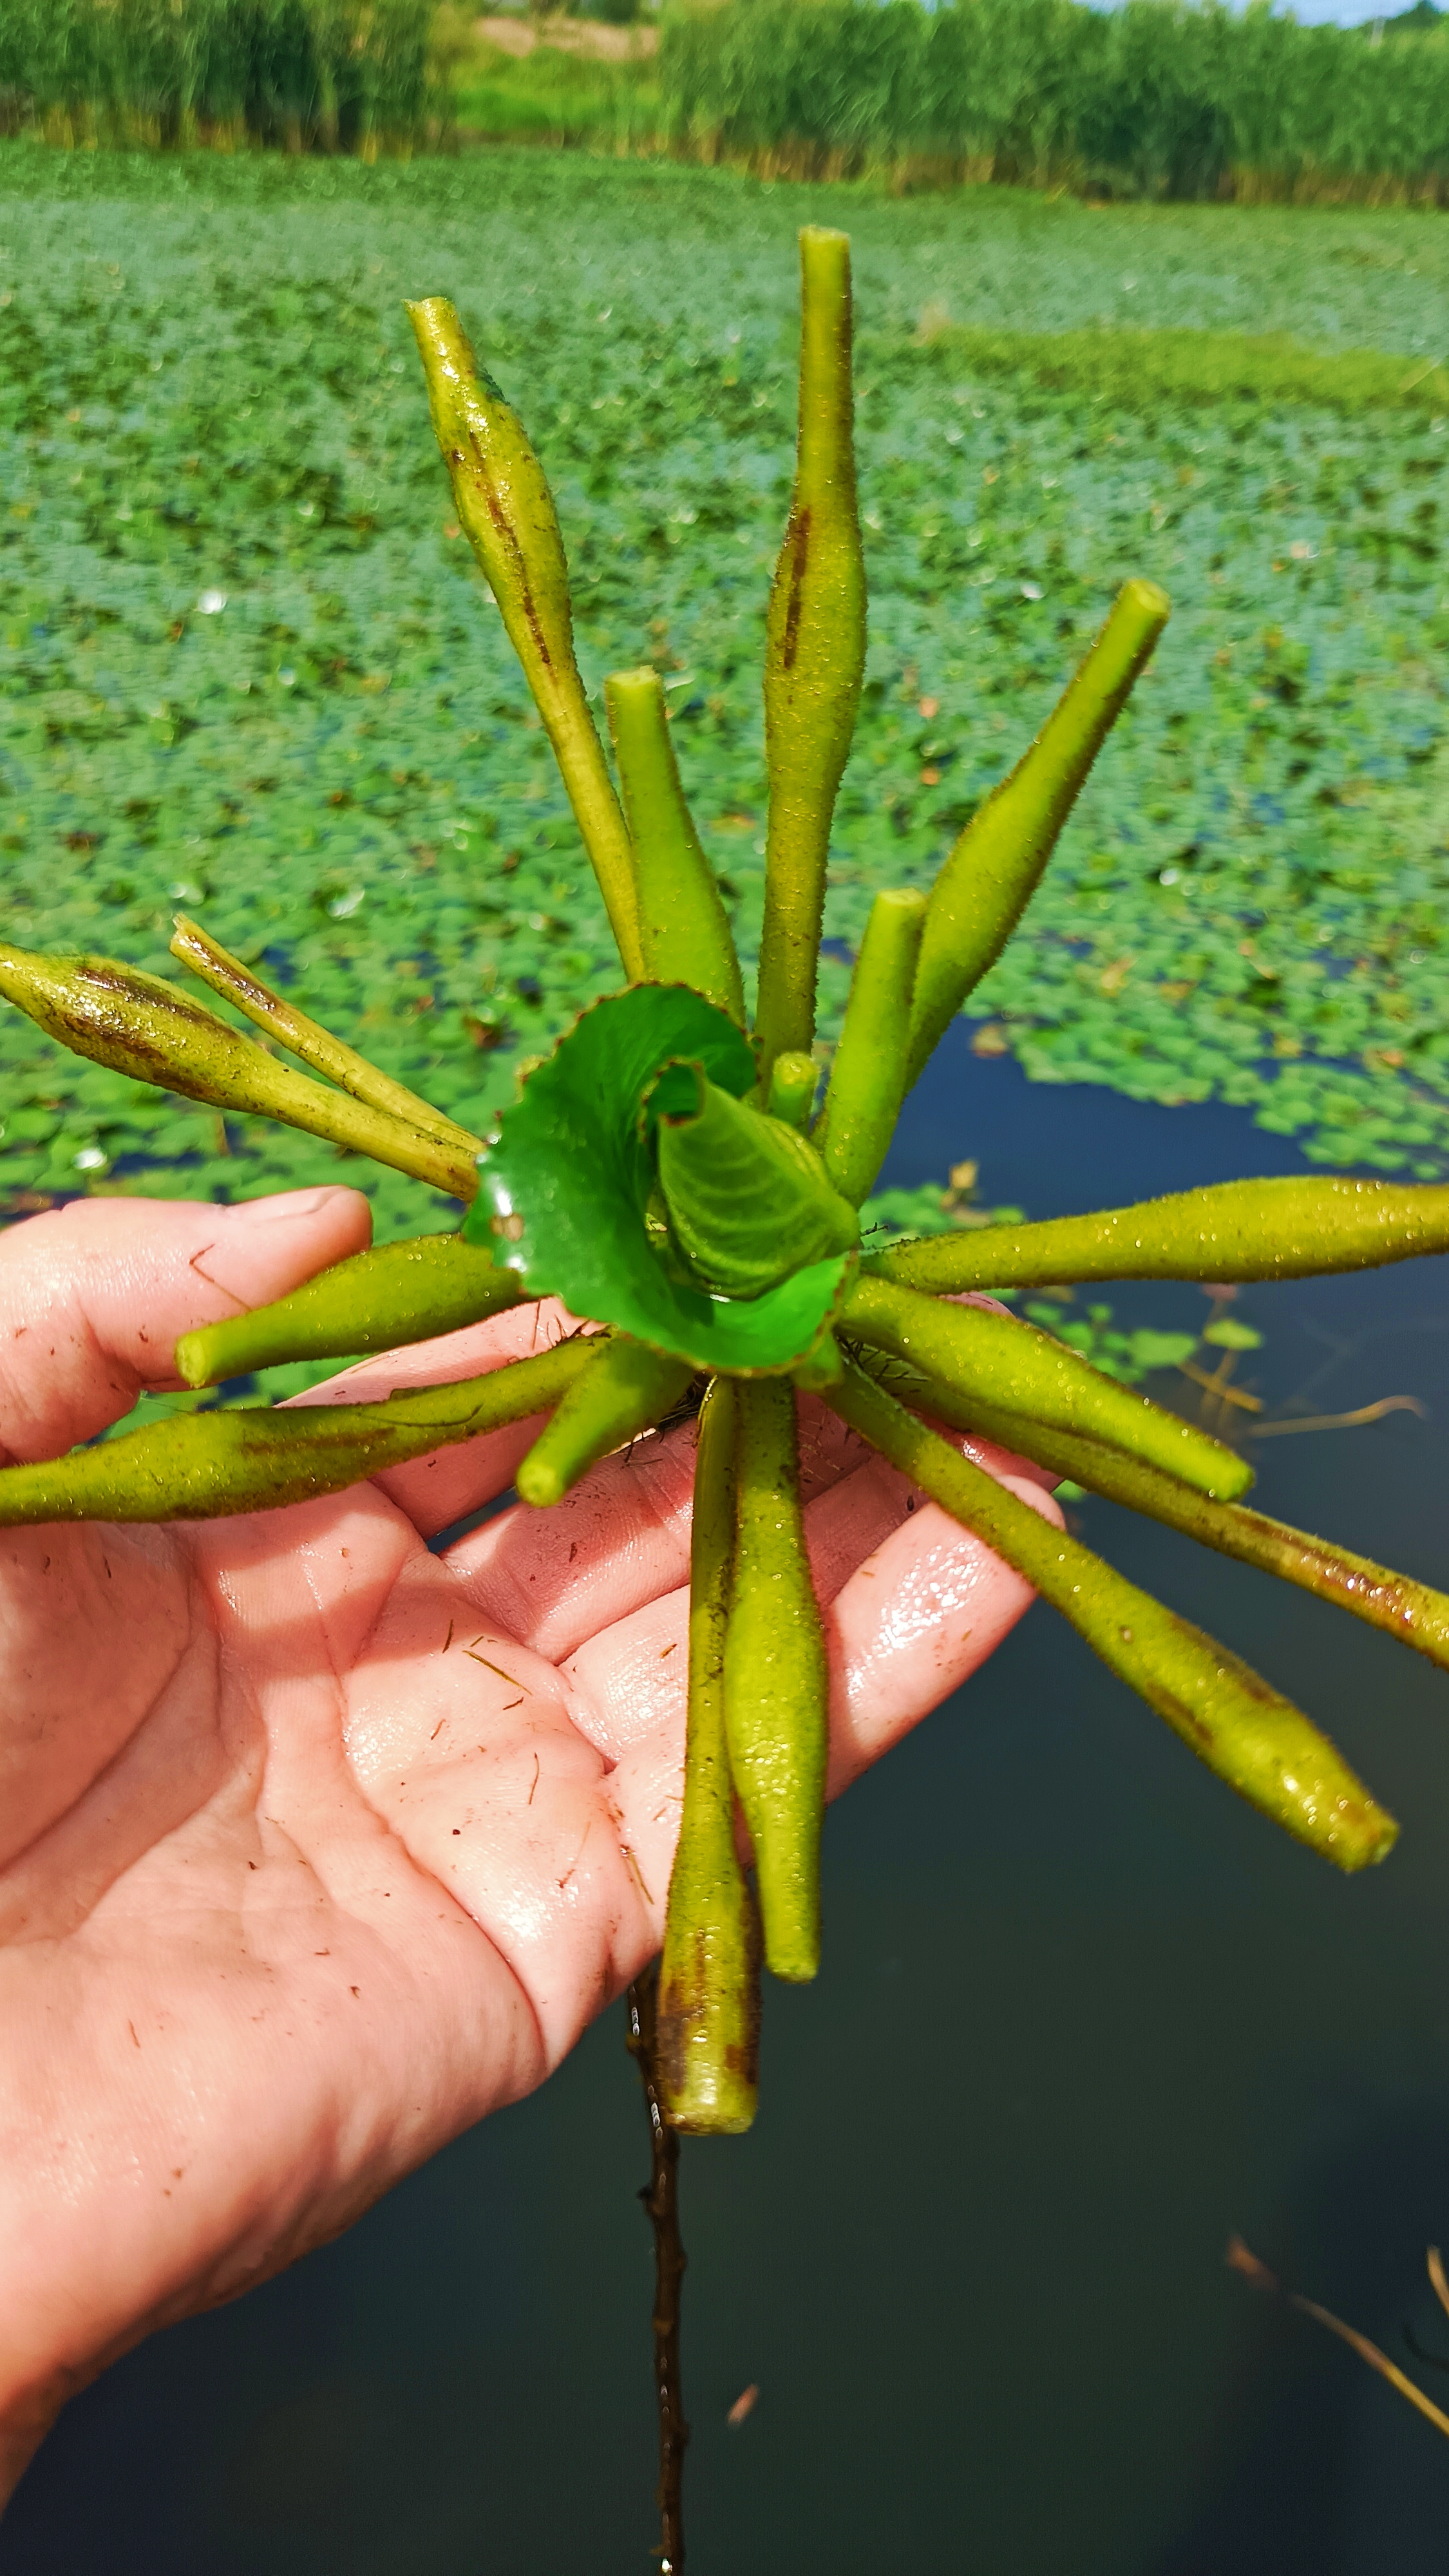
[
  {"x": 292, "y": 2478},
  {"x": 209, "y": 396},
  {"x": 1111, "y": 2018}
]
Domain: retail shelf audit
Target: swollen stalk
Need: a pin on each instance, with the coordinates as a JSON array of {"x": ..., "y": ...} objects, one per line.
[{"x": 664, "y": 1175}]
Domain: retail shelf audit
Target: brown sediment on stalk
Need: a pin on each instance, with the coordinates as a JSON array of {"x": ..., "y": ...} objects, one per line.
[
  {"x": 501, "y": 522},
  {"x": 104, "y": 975},
  {"x": 797, "y": 542},
  {"x": 682, "y": 2007}
]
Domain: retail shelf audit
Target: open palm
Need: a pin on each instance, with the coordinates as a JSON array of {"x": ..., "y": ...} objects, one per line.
[{"x": 315, "y": 1845}]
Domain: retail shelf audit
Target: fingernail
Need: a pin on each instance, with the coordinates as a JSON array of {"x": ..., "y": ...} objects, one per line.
[{"x": 286, "y": 1206}]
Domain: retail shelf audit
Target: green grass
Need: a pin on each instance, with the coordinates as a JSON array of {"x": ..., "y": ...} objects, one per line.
[
  {"x": 207, "y": 385},
  {"x": 553, "y": 96},
  {"x": 1152, "y": 371}
]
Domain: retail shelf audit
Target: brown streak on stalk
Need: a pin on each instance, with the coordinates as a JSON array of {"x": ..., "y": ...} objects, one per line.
[
  {"x": 255, "y": 992},
  {"x": 683, "y": 2007},
  {"x": 109, "y": 978},
  {"x": 674, "y": 2013},
  {"x": 798, "y": 542},
  {"x": 1185, "y": 1719},
  {"x": 103, "y": 977},
  {"x": 1253, "y": 1683},
  {"x": 1343, "y": 1580},
  {"x": 501, "y": 522}
]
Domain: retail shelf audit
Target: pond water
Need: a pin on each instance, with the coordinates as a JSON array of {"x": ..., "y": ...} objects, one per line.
[{"x": 1081, "y": 2015}]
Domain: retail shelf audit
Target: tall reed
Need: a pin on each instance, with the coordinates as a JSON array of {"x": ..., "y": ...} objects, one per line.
[
  {"x": 349, "y": 75},
  {"x": 1156, "y": 98}
]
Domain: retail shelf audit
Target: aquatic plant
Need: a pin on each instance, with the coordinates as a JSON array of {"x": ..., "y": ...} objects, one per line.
[
  {"x": 666, "y": 1175},
  {"x": 302, "y": 73}
]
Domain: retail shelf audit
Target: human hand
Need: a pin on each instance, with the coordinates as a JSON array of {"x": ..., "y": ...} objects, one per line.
[{"x": 316, "y": 1846}]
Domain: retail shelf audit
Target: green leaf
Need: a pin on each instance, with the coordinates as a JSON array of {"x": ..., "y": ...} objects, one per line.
[
  {"x": 747, "y": 1198},
  {"x": 1151, "y": 1350},
  {"x": 564, "y": 1196},
  {"x": 1229, "y": 1335}
]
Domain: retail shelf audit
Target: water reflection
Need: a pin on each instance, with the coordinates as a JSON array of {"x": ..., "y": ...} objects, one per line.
[{"x": 1081, "y": 2015}]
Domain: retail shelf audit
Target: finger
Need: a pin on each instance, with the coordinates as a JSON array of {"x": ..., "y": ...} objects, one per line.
[
  {"x": 450, "y": 1483},
  {"x": 94, "y": 1297}
]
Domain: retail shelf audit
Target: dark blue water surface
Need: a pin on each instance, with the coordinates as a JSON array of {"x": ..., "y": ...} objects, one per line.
[{"x": 1082, "y": 2014}]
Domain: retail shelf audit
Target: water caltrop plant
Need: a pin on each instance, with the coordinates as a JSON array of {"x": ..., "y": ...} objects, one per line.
[{"x": 666, "y": 1174}]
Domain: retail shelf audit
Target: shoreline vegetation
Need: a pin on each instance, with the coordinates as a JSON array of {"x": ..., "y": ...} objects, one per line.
[
  {"x": 246, "y": 669},
  {"x": 1159, "y": 99}
]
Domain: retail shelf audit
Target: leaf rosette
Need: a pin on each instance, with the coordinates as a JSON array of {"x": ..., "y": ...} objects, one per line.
[
  {"x": 632, "y": 1180},
  {"x": 664, "y": 1174}
]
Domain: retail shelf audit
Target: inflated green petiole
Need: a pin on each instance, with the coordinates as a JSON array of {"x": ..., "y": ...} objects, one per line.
[
  {"x": 1003, "y": 1362},
  {"x": 506, "y": 511},
  {"x": 204, "y": 1466},
  {"x": 1235, "y": 1722},
  {"x": 1282, "y": 1229},
  {"x": 1413, "y": 1612},
  {"x": 794, "y": 1081},
  {"x": 814, "y": 654},
  {"x": 709, "y": 1977},
  {"x": 153, "y": 1031},
  {"x": 622, "y": 1393},
  {"x": 992, "y": 872},
  {"x": 823, "y": 1368},
  {"x": 775, "y": 1680},
  {"x": 306, "y": 1038},
  {"x": 868, "y": 1076},
  {"x": 376, "y": 1301},
  {"x": 746, "y": 1196},
  {"x": 684, "y": 931}
]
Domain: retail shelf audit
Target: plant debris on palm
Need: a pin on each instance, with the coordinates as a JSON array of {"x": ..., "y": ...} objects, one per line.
[{"x": 667, "y": 1175}]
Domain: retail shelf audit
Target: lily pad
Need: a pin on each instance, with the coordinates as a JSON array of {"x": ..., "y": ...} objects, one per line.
[
  {"x": 1227, "y": 1334},
  {"x": 564, "y": 1192}
]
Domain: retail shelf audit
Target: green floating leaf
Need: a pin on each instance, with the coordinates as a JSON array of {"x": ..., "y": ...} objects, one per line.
[
  {"x": 1149, "y": 1350},
  {"x": 1229, "y": 1335},
  {"x": 565, "y": 1191}
]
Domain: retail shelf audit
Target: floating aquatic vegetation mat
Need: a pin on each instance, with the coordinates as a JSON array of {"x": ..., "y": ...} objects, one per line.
[{"x": 245, "y": 664}]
